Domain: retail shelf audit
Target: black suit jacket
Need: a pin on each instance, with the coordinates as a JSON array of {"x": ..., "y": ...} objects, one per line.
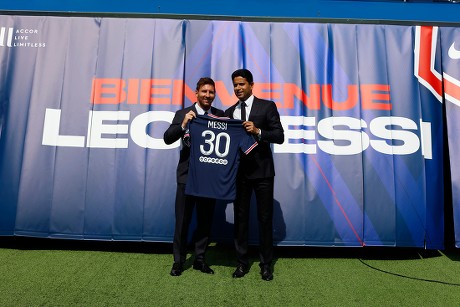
[
  {"x": 175, "y": 132},
  {"x": 265, "y": 116}
]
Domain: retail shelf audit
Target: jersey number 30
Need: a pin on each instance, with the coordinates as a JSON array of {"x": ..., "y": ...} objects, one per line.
[{"x": 213, "y": 143}]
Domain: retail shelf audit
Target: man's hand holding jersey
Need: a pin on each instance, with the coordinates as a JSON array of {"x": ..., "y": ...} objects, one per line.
[
  {"x": 188, "y": 117},
  {"x": 251, "y": 128}
]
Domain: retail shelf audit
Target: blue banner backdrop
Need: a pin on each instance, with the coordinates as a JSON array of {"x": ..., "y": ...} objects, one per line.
[{"x": 85, "y": 102}]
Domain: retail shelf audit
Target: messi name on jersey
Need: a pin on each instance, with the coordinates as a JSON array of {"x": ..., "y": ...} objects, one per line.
[{"x": 215, "y": 147}]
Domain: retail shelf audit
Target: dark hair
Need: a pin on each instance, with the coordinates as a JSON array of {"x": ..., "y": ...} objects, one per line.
[
  {"x": 243, "y": 73},
  {"x": 204, "y": 81}
]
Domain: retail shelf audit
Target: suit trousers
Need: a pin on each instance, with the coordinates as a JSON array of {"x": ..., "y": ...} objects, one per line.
[
  {"x": 263, "y": 189},
  {"x": 184, "y": 211}
]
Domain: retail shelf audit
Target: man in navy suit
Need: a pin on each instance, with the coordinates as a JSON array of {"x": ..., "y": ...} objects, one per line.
[
  {"x": 256, "y": 172},
  {"x": 205, "y": 94}
]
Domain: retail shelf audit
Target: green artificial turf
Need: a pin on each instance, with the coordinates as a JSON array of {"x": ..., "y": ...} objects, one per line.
[{"x": 46, "y": 272}]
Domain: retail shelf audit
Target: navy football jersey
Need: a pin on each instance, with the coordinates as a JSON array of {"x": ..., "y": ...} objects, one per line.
[{"x": 215, "y": 147}]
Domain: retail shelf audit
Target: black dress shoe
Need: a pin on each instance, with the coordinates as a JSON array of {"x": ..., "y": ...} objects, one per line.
[
  {"x": 266, "y": 272},
  {"x": 240, "y": 271},
  {"x": 203, "y": 267},
  {"x": 177, "y": 269}
]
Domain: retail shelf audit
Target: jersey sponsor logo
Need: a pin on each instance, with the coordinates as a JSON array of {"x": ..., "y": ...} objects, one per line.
[{"x": 213, "y": 160}]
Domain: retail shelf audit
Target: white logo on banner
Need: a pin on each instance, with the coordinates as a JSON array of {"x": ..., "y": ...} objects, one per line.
[
  {"x": 454, "y": 54},
  {"x": 20, "y": 38},
  {"x": 334, "y": 135}
]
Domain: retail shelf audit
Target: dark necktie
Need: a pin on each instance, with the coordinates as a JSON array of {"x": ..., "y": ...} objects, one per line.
[
  {"x": 205, "y": 112},
  {"x": 243, "y": 111}
]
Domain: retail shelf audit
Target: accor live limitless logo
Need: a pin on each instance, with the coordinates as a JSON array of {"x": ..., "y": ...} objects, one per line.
[
  {"x": 20, "y": 37},
  {"x": 335, "y": 135}
]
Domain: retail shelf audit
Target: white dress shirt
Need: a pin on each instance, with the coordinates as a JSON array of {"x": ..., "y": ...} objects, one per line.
[{"x": 237, "y": 112}]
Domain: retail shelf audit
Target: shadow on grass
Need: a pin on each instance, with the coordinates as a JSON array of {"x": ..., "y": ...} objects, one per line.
[
  {"x": 452, "y": 253},
  {"x": 374, "y": 253},
  {"x": 224, "y": 254},
  {"x": 28, "y": 243}
]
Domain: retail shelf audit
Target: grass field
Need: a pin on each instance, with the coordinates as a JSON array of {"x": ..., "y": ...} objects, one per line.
[{"x": 46, "y": 272}]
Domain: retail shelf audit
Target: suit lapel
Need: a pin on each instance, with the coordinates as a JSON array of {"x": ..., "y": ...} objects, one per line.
[
  {"x": 194, "y": 108},
  {"x": 255, "y": 108},
  {"x": 232, "y": 109}
]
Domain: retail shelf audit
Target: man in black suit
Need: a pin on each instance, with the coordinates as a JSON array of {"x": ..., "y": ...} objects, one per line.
[
  {"x": 205, "y": 93},
  {"x": 256, "y": 172}
]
